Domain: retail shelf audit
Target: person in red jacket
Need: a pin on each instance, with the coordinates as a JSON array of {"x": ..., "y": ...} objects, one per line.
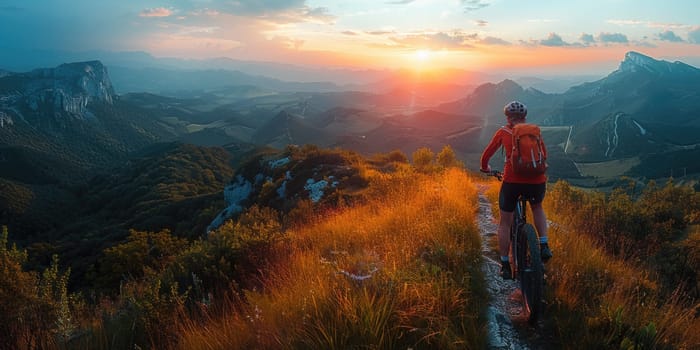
[{"x": 514, "y": 185}]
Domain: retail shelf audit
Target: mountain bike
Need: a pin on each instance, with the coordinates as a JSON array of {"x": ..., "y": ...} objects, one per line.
[{"x": 526, "y": 261}]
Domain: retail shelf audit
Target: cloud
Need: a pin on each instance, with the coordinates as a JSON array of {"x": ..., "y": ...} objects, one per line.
[
  {"x": 669, "y": 36},
  {"x": 668, "y": 26},
  {"x": 436, "y": 41},
  {"x": 248, "y": 7},
  {"x": 490, "y": 40},
  {"x": 381, "y": 32},
  {"x": 245, "y": 29},
  {"x": 553, "y": 40},
  {"x": 196, "y": 30},
  {"x": 156, "y": 12},
  {"x": 278, "y": 11},
  {"x": 349, "y": 32},
  {"x": 627, "y": 22},
  {"x": 587, "y": 39},
  {"x": 644, "y": 43},
  {"x": 605, "y": 38},
  {"x": 456, "y": 40},
  {"x": 618, "y": 38},
  {"x": 473, "y": 5},
  {"x": 650, "y": 24},
  {"x": 694, "y": 35},
  {"x": 243, "y": 37},
  {"x": 481, "y": 23},
  {"x": 316, "y": 15}
]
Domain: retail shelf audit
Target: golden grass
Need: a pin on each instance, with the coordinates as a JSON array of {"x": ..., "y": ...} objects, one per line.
[
  {"x": 603, "y": 301},
  {"x": 401, "y": 270},
  {"x": 598, "y": 301}
]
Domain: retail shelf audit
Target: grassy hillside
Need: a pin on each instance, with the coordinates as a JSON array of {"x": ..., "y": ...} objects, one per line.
[
  {"x": 396, "y": 267},
  {"x": 33, "y": 212},
  {"x": 143, "y": 194},
  {"x": 670, "y": 164},
  {"x": 625, "y": 270},
  {"x": 408, "y": 276}
]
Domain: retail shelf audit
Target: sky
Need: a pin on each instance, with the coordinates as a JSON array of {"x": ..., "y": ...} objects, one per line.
[{"x": 582, "y": 37}]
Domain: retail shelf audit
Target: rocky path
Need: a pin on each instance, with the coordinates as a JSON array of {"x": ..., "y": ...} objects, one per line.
[
  {"x": 504, "y": 320},
  {"x": 507, "y": 326}
]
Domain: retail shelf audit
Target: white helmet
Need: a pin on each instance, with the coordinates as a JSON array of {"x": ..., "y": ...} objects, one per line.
[{"x": 515, "y": 109}]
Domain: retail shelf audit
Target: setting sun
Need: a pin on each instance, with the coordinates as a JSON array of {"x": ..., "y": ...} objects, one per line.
[{"x": 422, "y": 55}]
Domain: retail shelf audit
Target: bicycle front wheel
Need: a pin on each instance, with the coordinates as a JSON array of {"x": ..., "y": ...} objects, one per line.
[{"x": 530, "y": 272}]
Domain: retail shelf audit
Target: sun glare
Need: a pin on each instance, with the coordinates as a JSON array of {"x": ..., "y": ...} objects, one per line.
[{"x": 422, "y": 55}]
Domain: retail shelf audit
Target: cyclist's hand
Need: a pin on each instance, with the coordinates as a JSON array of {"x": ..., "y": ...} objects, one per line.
[
  {"x": 495, "y": 173},
  {"x": 487, "y": 170}
]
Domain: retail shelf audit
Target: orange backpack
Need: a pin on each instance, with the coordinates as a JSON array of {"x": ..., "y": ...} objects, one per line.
[{"x": 529, "y": 156}]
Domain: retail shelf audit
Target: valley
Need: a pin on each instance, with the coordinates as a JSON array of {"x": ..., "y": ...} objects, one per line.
[
  {"x": 204, "y": 188},
  {"x": 62, "y": 126},
  {"x": 299, "y": 174}
]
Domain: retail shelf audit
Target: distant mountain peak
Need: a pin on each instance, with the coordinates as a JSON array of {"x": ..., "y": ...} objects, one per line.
[
  {"x": 504, "y": 87},
  {"x": 86, "y": 66},
  {"x": 509, "y": 84},
  {"x": 639, "y": 58},
  {"x": 637, "y": 62},
  {"x": 67, "y": 89},
  {"x": 72, "y": 85}
]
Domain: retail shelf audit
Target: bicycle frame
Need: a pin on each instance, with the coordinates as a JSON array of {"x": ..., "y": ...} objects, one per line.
[
  {"x": 519, "y": 220},
  {"x": 526, "y": 262}
]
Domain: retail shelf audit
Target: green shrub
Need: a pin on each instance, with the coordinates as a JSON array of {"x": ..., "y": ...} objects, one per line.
[
  {"x": 37, "y": 310},
  {"x": 143, "y": 254},
  {"x": 447, "y": 158},
  {"x": 423, "y": 159}
]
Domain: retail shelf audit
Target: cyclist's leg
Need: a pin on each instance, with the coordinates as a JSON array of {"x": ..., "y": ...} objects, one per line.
[
  {"x": 506, "y": 202},
  {"x": 504, "y": 232},
  {"x": 540, "y": 219},
  {"x": 504, "y": 244},
  {"x": 535, "y": 194}
]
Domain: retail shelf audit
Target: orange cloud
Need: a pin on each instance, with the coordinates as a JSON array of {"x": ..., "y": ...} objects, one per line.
[{"x": 156, "y": 12}]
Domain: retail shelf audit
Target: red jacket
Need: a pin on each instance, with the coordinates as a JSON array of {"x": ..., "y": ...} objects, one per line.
[{"x": 503, "y": 137}]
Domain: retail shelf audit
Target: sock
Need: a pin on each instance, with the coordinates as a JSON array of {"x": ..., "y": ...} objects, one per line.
[
  {"x": 544, "y": 240},
  {"x": 505, "y": 259}
]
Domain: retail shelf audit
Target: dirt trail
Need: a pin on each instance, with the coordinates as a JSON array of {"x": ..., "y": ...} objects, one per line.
[
  {"x": 507, "y": 325},
  {"x": 504, "y": 305}
]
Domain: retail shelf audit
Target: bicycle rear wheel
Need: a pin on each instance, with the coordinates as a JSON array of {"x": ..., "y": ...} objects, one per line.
[{"x": 530, "y": 272}]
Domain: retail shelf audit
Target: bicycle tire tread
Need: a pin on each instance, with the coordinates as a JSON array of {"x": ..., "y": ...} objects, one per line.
[{"x": 533, "y": 296}]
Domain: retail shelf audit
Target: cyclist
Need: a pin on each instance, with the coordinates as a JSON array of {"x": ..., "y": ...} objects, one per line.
[{"x": 514, "y": 185}]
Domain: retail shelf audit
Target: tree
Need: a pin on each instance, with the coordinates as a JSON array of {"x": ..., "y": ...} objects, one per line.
[
  {"x": 35, "y": 308},
  {"x": 397, "y": 156},
  {"x": 143, "y": 253},
  {"x": 447, "y": 158},
  {"x": 423, "y": 159}
]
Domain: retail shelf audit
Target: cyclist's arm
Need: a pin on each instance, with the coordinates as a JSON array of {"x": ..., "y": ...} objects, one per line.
[
  {"x": 544, "y": 149},
  {"x": 489, "y": 151}
]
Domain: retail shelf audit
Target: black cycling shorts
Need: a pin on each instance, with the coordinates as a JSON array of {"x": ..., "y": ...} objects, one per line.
[{"x": 510, "y": 191}]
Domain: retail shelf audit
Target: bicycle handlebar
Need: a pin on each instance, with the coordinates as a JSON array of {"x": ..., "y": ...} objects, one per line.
[{"x": 495, "y": 173}]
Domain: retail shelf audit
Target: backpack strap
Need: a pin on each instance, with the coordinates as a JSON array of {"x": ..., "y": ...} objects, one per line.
[{"x": 510, "y": 132}]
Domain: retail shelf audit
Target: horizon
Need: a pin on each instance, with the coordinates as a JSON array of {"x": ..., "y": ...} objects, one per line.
[{"x": 497, "y": 37}]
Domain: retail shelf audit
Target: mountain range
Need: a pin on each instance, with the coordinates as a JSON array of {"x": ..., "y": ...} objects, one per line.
[
  {"x": 60, "y": 127},
  {"x": 132, "y": 192},
  {"x": 645, "y": 106}
]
